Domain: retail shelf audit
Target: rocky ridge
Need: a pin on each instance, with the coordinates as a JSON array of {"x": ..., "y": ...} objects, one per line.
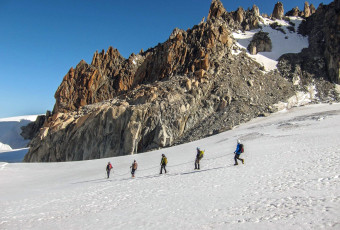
[
  {"x": 307, "y": 11},
  {"x": 187, "y": 88},
  {"x": 321, "y": 60}
]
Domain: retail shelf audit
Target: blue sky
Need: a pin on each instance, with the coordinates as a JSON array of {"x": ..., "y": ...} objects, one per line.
[{"x": 41, "y": 40}]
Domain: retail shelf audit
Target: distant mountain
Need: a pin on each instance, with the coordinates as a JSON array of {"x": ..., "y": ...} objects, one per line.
[
  {"x": 226, "y": 70},
  {"x": 4, "y": 147},
  {"x": 13, "y": 146},
  {"x": 10, "y": 129}
]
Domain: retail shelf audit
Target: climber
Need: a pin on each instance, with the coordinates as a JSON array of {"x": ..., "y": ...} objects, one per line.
[
  {"x": 164, "y": 162},
  {"x": 108, "y": 169},
  {"x": 199, "y": 157},
  {"x": 133, "y": 168},
  {"x": 238, "y": 151}
]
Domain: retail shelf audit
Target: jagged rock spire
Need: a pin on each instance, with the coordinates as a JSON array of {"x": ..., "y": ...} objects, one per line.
[
  {"x": 278, "y": 11},
  {"x": 306, "y": 10},
  {"x": 293, "y": 12},
  {"x": 256, "y": 10},
  {"x": 240, "y": 15},
  {"x": 216, "y": 9}
]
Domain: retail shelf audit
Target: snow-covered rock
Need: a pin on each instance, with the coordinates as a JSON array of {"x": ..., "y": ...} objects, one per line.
[{"x": 288, "y": 41}]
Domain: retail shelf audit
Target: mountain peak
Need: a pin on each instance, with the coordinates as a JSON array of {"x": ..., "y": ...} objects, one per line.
[
  {"x": 278, "y": 11},
  {"x": 216, "y": 9}
]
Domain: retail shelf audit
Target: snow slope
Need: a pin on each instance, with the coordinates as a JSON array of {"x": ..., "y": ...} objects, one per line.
[
  {"x": 291, "y": 42},
  {"x": 12, "y": 144},
  {"x": 290, "y": 180}
]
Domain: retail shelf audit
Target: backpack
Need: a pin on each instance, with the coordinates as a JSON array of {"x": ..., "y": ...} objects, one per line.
[
  {"x": 201, "y": 154},
  {"x": 165, "y": 160},
  {"x": 241, "y": 148}
]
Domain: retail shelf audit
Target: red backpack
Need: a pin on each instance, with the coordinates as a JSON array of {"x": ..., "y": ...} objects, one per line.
[{"x": 242, "y": 148}]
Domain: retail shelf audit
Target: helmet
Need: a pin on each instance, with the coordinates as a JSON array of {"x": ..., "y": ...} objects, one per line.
[
  {"x": 239, "y": 141},
  {"x": 163, "y": 155},
  {"x": 198, "y": 148}
]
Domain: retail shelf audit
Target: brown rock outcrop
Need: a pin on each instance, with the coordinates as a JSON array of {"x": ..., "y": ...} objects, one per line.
[
  {"x": 216, "y": 9},
  {"x": 295, "y": 12},
  {"x": 256, "y": 11},
  {"x": 33, "y": 128},
  {"x": 110, "y": 75},
  {"x": 306, "y": 10},
  {"x": 260, "y": 43},
  {"x": 312, "y": 9},
  {"x": 240, "y": 15},
  {"x": 161, "y": 114},
  {"x": 278, "y": 11}
]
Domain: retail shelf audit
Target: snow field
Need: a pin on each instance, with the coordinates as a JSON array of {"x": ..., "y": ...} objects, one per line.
[
  {"x": 291, "y": 42},
  {"x": 290, "y": 180}
]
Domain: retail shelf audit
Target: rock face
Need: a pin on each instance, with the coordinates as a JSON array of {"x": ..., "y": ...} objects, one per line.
[
  {"x": 108, "y": 75},
  {"x": 295, "y": 12},
  {"x": 32, "y": 129},
  {"x": 216, "y": 10},
  {"x": 312, "y": 9},
  {"x": 278, "y": 11},
  {"x": 260, "y": 43},
  {"x": 189, "y": 87},
  {"x": 248, "y": 19},
  {"x": 162, "y": 114},
  {"x": 321, "y": 59},
  {"x": 307, "y": 11},
  {"x": 111, "y": 75}
]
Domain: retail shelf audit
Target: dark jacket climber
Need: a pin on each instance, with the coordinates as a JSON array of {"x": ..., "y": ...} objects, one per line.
[
  {"x": 108, "y": 169},
  {"x": 133, "y": 168},
  {"x": 238, "y": 151},
  {"x": 199, "y": 157}
]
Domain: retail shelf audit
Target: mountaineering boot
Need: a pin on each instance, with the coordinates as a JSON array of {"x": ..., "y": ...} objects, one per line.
[
  {"x": 242, "y": 161},
  {"x": 235, "y": 164}
]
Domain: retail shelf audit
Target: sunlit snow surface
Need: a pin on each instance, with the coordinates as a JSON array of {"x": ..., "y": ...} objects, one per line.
[
  {"x": 291, "y": 42},
  {"x": 290, "y": 180}
]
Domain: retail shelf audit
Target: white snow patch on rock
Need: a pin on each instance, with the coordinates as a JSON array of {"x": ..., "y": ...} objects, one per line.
[
  {"x": 291, "y": 42},
  {"x": 299, "y": 99}
]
